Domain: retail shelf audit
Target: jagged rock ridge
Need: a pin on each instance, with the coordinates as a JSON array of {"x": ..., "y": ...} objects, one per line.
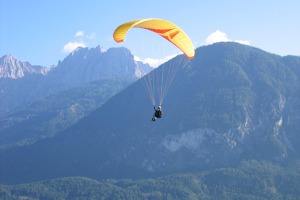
[{"x": 11, "y": 67}]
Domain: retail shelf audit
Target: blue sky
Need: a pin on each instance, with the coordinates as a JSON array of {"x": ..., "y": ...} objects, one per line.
[{"x": 44, "y": 32}]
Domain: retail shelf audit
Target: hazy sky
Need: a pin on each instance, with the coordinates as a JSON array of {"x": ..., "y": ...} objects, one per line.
[{"x": 43, "y": 32}]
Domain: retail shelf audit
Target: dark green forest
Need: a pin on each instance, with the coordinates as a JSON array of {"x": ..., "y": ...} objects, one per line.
[{"x": 250, "y": 180}]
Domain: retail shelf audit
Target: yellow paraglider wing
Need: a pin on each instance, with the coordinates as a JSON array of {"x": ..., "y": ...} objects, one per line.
[{"x": 164, "y": 28}]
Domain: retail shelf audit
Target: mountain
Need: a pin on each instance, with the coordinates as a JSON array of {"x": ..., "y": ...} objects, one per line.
[
  {"x": 10, "y": 67},
  {"x": 54, "y": 113},
  {"x": 88, "y": 64},
  {"x": 87, "y": 78},
  {"x": 81, "y": 66},
  {"x": 231, "y": 103}
]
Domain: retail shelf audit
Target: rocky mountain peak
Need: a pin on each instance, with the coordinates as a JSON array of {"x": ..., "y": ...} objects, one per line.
[{"x": 11, "y": 67}]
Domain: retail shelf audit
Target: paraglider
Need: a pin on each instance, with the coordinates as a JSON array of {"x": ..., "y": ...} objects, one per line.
[
  {"x": 171, "y": 33},
  {"x": 158, "y": 113}
]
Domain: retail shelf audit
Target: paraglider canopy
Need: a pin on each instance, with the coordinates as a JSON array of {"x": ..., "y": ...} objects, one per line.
[
  {"x": 164, "y": 28},
  {"x": 158, "y": 81}
]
